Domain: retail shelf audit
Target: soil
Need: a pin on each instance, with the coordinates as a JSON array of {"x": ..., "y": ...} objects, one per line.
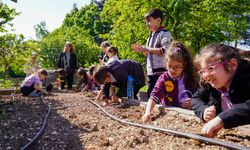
[{"x": 74, "y": 123}]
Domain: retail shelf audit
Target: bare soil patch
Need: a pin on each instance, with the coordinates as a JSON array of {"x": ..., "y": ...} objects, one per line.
[{"x": 74, "y": 123}]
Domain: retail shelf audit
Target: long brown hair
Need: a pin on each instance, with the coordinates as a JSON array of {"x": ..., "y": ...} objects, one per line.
[
  {"x": 180, "y": 53},
  {"x": 72, "y": 48}
]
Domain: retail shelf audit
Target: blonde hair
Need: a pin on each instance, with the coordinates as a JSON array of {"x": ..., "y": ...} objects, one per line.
[{"x": 72, "y": 48}]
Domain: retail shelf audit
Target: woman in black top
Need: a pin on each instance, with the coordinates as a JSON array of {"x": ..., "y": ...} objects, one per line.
[{"x": 68, "y": 61}]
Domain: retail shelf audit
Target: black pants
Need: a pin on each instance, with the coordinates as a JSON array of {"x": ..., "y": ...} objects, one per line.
[
  {"x": 69, "y": 80},
  {"x": 49, "y": 87},
  {"x": 105, "y": 92},
  {"x": 26, "y": 90},
  {"x": 152, "y": 79},
  {"x": 122, "y": 91}
]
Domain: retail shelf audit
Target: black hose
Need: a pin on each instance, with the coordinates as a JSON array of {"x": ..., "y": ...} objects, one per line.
[
  {"x": 26, "y": 146},
  {"x": 186, "y": 135}
]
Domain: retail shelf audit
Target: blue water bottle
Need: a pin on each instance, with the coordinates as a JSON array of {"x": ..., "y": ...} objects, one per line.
[{"x": 130, "y": 88}]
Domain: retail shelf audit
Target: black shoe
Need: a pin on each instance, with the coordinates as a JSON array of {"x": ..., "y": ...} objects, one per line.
[{"x": 122, "y": 105}]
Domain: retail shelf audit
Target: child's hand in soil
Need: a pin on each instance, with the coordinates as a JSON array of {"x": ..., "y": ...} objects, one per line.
[{"x": 147, "y": 117}]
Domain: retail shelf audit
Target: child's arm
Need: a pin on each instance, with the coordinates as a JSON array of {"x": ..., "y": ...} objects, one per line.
[
  {"x": 138, "y": 48},
  {"x": 147, "y": 116},
  {"x": 86, "y": 88},
  {"x": 156, "y": 96},
  {"x": 111, "y": 90},
  {"x": 236, "y": 116},
  {"x": 201, "y": 101},
  {"x": 99, "y": 95},
  {"x": 212, "y": 127},
  {"x": 39, "y": 88}
]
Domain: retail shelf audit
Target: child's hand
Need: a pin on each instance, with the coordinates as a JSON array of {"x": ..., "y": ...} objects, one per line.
[
  {"x": 146, "y": 117},
  {"x": 186, "y": 104},
  {"x": 209, "y": 113},
  {"x": 212, "y": 127},
  {"x": 101, "y": 62},
  {"x": 106, "y": 102},
  {"x": 57, "y": 83},
  {"x": 45, "y": 92},
  {"x": 137, "y": 47}
]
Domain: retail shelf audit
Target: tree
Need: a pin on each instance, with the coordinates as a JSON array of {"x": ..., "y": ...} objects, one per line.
[
  {"x": 6, "y": 16},
  {"x": 82, "y": 27},
  {"x": 99, "y": 4},
  {"x": 41, "y": 30},
  {"x": 14, "y": 52},
  {"x": 196, "y": 23},
  {"x": 51, "y": 46},
  {"x": 88, "y": 18}
]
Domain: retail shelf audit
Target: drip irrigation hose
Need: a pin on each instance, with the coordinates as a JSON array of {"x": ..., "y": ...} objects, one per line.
[
  {"x": 26, "y": 146},
  {"x": 186, "y": 135}
]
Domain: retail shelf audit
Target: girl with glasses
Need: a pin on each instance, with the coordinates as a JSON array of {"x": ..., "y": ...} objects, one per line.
[
  {"x": 173, "y": 84},
  {"x": 223, "y": 100}
]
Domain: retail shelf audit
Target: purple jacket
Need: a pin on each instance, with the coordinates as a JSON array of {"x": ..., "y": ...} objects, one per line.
[{"x": 166, "y": 91}]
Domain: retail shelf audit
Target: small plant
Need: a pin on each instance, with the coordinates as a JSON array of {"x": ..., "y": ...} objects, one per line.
[{"x": 3, "y": 114}]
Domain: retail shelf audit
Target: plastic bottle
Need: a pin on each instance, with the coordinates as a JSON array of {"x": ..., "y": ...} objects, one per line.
[
  {"x": 185, "y": 95},
  {"x": 130, "y": 88}
]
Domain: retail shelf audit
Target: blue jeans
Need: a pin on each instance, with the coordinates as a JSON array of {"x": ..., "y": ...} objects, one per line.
[{"x": 35, "y": 94}]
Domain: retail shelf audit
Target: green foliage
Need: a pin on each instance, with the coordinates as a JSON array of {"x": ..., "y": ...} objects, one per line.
[
  {"x": 53, "y": 44},
  {"x": 12, "y": 46},
  {"x": 196, "y": 23},
  {"x": 89, "y": 20},
  {"x": 6, "y": 16},
  {"x": 82, "y": 27},
  {"x": 13, "y": 53},
  {"x": 41, "y": 30}
]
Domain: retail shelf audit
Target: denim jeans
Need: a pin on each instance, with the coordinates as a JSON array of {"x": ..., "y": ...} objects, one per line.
[{"x": 35, "y": 94}]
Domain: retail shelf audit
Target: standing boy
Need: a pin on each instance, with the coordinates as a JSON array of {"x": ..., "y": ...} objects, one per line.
[{"x": 158, "y": 42}]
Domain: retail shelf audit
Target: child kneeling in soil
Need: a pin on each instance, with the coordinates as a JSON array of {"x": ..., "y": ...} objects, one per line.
[
  {"x": 86, "y": 80},
  {"x": 117, "y": 73},
  {"x": 60, "y": 78},
  {"x": 32, "y": 85},
  {"x": 223, "y": 100},
  {"x": 175, "y": 86}
]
